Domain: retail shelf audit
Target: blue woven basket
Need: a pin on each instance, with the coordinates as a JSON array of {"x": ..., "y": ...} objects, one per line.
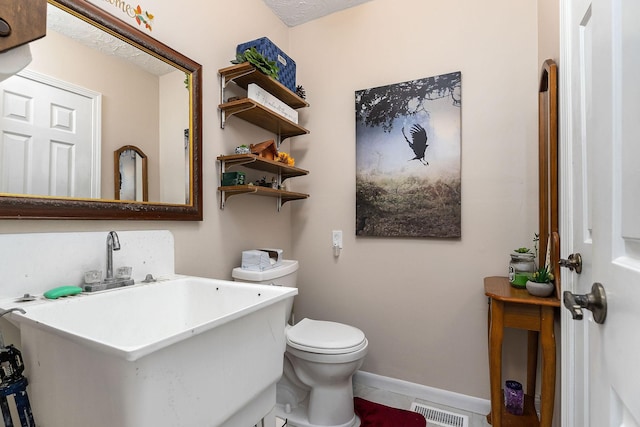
[{"x": 287, "y": 66}]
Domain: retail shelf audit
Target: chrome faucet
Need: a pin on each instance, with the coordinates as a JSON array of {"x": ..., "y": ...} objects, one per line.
[
  {"x": 113, "y": 244},
  {"x": 109, "y": 282}
]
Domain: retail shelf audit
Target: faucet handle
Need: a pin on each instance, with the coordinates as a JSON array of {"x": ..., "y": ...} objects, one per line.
[{"x": 92, "y": 276}]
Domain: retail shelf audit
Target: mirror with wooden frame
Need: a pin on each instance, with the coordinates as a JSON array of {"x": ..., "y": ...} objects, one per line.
[
  {"x": 548, "y": 170},
  {"x": 61, "y": 193}
]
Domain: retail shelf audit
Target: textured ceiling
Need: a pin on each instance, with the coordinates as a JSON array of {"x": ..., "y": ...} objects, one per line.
[
  {"x": 296, "y": 12},
  {"x": 82, "y": 32}
]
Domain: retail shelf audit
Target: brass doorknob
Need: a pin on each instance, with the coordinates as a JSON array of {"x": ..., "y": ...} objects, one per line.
[
  {"x": 596, "y": 301},
  {"x": 573, "y": 263}
]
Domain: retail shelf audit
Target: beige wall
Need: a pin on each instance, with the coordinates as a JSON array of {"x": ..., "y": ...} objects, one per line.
[
  {"x": 174, "y": 118},
  {"x": 548, "y": 30},
  {"x": 420, "y": 301}
]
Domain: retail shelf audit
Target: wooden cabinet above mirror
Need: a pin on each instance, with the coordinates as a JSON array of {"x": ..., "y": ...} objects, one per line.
[{"x": 21, "y": 22}]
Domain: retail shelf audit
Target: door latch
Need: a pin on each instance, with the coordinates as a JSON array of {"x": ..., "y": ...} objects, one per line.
[
  {"x": 596, "y": 301},
  {"x": 573, "y": 263}
]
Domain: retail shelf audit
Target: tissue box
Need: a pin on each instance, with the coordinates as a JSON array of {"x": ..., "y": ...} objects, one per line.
[
  {"x": 261, "y": 259},
  {"x": 287, "y": 66},
  {"x": 275, "y": 255},
  {"x": 255, "y": 260}
]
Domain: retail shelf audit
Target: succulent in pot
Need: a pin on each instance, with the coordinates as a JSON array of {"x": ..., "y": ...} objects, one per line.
[
  {"x": 242, "y": 149},
  {"x": 540, "y": 284},
  {"x": 542, "y": 275}
]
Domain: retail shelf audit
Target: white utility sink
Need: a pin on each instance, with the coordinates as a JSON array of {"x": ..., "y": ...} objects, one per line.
[{"x": 184, "y": 351}]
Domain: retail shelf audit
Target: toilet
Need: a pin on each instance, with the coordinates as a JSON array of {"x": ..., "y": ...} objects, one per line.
[{"x": 320, "y": 360}]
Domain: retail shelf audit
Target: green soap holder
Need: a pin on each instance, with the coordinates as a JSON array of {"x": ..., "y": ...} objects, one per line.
[{"x": 62, "y": 291}]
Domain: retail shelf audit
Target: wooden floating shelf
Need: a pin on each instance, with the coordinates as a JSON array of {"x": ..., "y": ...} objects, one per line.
[
  {"x": 242, "y": 75},
  {"x": 261, "y": 116},
  {"x": 284, "y": 196},
  {"x": 245, "y": 73},
  {"x": 254, "y": 162}
]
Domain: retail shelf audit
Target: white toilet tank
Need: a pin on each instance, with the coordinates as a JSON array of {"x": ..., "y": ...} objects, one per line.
[{"x": 286, "y": 274}]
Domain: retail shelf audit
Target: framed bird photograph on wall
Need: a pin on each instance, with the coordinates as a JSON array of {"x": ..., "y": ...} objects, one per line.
[{"x": 408, "y": 137}]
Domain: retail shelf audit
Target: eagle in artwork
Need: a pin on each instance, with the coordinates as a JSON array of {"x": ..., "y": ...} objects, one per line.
[{"x": 418, "y": 142}]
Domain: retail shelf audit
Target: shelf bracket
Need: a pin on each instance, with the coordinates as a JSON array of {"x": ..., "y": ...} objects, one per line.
[
  {"x": 224, "y": 80},
  {"x": 231, "y": 77},
  {"x": 282, "y": 201},
  {"x": 224, "y": 114},
  {"x": 223, "y": 84},
  {"x": 229, "y": 164},
  {"x": 224, "y": 195}
]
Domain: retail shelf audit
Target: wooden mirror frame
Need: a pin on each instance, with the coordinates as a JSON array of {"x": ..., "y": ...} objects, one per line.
[
  {"x": 548, "y": 183},
  {"x": 117, "y": 173},
  {"x": 40, "y": 207}
]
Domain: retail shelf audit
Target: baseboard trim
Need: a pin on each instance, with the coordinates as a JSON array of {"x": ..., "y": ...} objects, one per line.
[{"x": 423, "y": 392}]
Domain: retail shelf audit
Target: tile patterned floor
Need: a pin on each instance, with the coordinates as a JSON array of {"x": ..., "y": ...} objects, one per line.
[{"x": 404, "y": 402}]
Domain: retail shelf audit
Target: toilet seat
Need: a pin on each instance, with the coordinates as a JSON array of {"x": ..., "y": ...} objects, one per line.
[{"x": 324, "y": 337}]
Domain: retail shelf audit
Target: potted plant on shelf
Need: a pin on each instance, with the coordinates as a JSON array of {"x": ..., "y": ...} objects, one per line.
[
  {"x": 521, "y": 266},
  {"x": 541, "y": 283},
  {"x": 255, "y": 58}
]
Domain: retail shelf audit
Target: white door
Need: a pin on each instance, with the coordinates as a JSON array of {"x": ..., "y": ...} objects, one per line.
[
  {"x": 600, "y": 211},
  {"x": 49, "y": 137}
]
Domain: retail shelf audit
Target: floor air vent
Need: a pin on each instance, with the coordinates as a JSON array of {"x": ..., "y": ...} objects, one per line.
[{"x": 440, "y": 417}]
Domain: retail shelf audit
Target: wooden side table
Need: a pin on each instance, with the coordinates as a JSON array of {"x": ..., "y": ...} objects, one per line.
[{"x": 511, "y": 307}]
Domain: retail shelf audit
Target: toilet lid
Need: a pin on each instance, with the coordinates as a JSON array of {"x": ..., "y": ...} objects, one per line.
[{"x": 318, "y": 336}]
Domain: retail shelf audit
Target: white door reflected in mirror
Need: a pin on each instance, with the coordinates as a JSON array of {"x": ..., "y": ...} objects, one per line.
[{"x": 51, "y": 137}]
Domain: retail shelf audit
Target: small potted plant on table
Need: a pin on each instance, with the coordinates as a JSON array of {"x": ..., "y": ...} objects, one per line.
[
  {"x": 521, "y": 266},
  {"x": 541, "y": 283}
]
